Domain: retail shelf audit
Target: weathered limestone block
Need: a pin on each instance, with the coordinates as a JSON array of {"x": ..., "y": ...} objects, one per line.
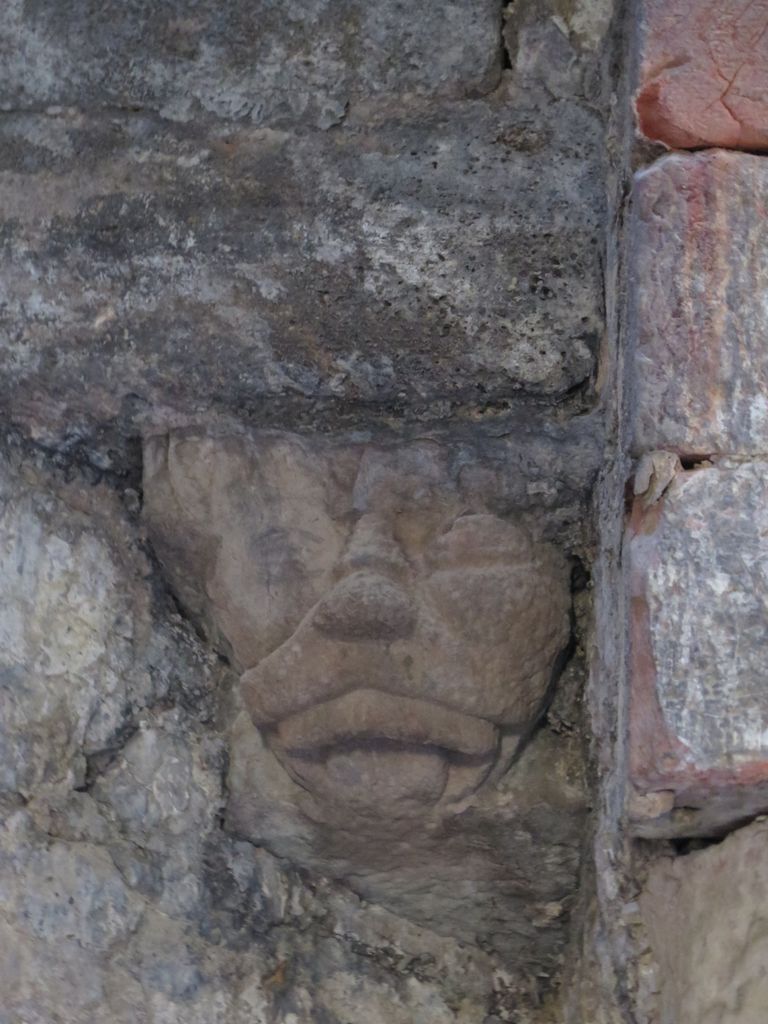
[
  {"x": 706, "y": 916},
  {"x": 265, "y": 62},
  {"x": 400, "y": 630},
  {"x": 698, "y": 317},
  {"x": 698, "y": 579},
  {"x": 703, "y": 73},
  {"x": 447, "y": 252},
  {"x": 242, "y": 208}
]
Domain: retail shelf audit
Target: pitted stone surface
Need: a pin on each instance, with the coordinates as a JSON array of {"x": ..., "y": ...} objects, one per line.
[
  {"x": 437, "y": 253},
  {"x": 704, "y": 73},
  {"x": 699, "y": 709},
  {"x": 263, "y": 211},
  {"x": 706, "y": 916},
  {"x": 266, "y": 62},
  {"x": 698, "y": 317}
]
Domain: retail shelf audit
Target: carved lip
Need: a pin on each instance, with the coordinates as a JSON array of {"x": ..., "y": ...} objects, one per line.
[{"x": 373, "y": 715}]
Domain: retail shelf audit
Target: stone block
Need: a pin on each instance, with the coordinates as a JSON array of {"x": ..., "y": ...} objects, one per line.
[
  {"x": 79, "y": 652},
  {"x": 264, "y": 62},
  {"x": 706, "y": 916},
  {"x": 240, "y": 208},
  {"x": 698, "y": 319},
  {"x": 417, "y": 256},
  {"x": 698, "y": 579},
  {"x": 703, "y": 73}
]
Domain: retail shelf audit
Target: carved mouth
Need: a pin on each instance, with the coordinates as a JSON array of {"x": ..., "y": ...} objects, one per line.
[{"x": 367, "y": 714}]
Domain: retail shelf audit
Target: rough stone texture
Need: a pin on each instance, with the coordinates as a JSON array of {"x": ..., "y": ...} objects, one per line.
[
  {"x": 706, "y": 916},
  {"x": 698, "y": 318},
  {"x": 78, "y": 653},
  {"x": 330, "y": 216},
  {"x": 703, "y": 73},
  {"x": 401, "y": 632},
  {"x": 269, "y": 63},
  {"x": 425, "y": 249},
  {"x": 698, "y": 564},
  {"x": 121, "y": 897}
]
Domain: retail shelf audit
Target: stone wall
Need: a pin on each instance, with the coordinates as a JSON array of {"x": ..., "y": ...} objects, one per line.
[
  {"x": 346, "y": 262},
  {"x": 382, "y": 512}
]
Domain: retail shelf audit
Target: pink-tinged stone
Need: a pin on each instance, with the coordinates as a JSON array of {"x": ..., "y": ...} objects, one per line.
[
  {"x": 698, "y": 304},
  {"x": 698, "y": 588},
  {"x": 704, "y": 73}
]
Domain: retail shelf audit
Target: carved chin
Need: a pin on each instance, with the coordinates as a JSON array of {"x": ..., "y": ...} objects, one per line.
[
  {"x": 381, "y": 754},
  {"x": 372, "y": 778}
]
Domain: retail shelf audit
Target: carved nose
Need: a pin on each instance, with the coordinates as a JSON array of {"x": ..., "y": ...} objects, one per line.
[
  {"x": 365, "y": 606},
  {"x": 372, "y": 546}
]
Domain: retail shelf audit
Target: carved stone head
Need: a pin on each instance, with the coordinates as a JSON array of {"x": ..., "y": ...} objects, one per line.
[
  {"x": 398, "y": 634},
  {"x": 397, "y": 639}
]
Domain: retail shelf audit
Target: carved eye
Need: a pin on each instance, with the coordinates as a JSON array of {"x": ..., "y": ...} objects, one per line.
[
  {"x": 262, "y": 586},
  {"x": 481, "y": 540},
  {"x": 284, "y": 556}
]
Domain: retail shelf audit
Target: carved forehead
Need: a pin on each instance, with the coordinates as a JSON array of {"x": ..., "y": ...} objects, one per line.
[
  {"x": 349, "y": 477},
  {"x": 285, "y": 485},
  {"x": 278, "y": 469}
]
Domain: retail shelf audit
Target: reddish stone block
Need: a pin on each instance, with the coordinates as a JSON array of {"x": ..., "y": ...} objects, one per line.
[
  {"x": 698, "y": 589},
  {"x": 704, "y": 73},
  {"x": 698, "y": 307}
]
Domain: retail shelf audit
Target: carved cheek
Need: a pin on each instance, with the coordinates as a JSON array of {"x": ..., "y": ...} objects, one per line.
[{"x": 501, "y": 605}]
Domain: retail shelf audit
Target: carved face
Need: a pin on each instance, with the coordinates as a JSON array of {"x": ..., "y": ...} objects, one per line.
[
  {"x": 431, "y": 639},
  {"x": 398, "y": 631},
  {"x": 398, "y": 639}
]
